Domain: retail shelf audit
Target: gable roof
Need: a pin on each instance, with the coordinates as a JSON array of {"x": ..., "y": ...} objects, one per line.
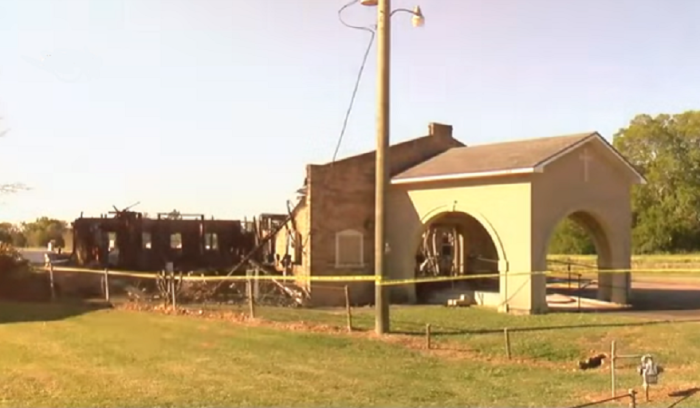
[
  {"x": 437, "y": 133},
  {"x": 500, "y": 159},
  {"x": 394, "y": 146}
]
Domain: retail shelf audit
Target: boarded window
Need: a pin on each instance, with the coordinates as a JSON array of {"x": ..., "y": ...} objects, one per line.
[
  {"x": 211, "y": 241},
  {"x": 112, "y": 239},
  {"x": 349, "y": 249},
  {"x": 146, "y": 240},
  {"x": 176, "y": 241}
]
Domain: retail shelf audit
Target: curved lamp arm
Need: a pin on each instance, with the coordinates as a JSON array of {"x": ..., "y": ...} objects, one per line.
[
  {"x": 370, "y": 29},
  {"x": 403, "y": 10},
  {"x": 418, "y": 18}
]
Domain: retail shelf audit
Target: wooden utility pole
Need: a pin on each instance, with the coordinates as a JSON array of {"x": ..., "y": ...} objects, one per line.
[{"x": 381, "y": 305}]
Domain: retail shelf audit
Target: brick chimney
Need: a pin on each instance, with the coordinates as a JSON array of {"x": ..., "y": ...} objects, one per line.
[{"x": 439, "y": 129}]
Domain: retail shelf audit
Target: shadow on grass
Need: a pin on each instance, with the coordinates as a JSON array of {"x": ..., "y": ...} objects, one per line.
[
  {"x": 446, "y": 331},
  {"x": 682, "y": 395},
  {"x": 25, "y": 312}
]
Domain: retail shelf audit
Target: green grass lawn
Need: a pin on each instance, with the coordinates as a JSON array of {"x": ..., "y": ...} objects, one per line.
[{"x": 57, "y": 355}]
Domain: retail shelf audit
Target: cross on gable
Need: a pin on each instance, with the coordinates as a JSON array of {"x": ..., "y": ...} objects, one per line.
[{"x": 585, "y": 157}]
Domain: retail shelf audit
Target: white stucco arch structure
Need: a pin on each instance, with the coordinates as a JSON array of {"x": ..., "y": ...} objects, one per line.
[{"x": 519, "y": 192}]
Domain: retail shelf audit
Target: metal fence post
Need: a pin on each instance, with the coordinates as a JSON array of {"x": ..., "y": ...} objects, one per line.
[
  {"x": 612, "y": 368},
  {"x": 52, "y": 285},
  {"x": 106, "y": 283},
  {"x": 579, "y": 293},
  {"x": 633, "y": 398},
  {"x": 173, "y": 291},
  {"x": 251, "y": 298}
]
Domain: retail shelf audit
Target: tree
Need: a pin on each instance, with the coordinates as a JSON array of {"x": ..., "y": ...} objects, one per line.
[
  {"x": 5, "y": 234},
  {"x": 666, "y": 150},
  {"x": 12, "y": 188},
  {"x": 12, "y": 234},
  {"x": 569, "y": 238},
  {"x": 44, "y": 230}
]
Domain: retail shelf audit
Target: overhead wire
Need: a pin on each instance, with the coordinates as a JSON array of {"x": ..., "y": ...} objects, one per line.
[
  {"x": 359, "y": 74},
  {"x": 327, "y": 179}
]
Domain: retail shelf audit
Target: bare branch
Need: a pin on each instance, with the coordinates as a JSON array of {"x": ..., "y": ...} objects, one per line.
[{"x": 12, "y": 188}]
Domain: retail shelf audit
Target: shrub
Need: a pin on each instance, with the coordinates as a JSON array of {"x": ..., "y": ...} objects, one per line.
[
  {"x": 11, "y": 261},
  {"x": 18, "y": 281}
]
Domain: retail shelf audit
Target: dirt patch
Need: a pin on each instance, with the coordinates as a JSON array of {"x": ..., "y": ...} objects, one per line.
[
  {"x": 659, "y": 395},
  {"x": 231, "y": 316}
]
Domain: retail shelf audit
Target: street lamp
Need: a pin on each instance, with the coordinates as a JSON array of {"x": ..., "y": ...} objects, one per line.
[
  {"x": 384, "y": 13},
  {"x": 418, "y": 19}
]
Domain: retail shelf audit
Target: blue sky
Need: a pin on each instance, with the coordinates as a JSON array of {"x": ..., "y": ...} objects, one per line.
[{"x": 215, "y": 106}]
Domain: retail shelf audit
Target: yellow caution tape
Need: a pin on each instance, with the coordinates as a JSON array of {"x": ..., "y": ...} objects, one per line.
[
  {"x": 366, "y": 278},
  {"x": 102, "y": 272},
  {"x": 210, "y": 278},
  {"x": 371, "y": 278}
]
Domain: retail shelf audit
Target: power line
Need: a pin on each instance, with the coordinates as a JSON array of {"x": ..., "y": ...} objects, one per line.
[{"x": 359, "y": 73}]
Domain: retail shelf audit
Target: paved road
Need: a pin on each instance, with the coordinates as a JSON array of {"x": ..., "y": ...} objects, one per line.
[
  {"x": 660, "y": 298},
  {"x": 666, "y": 299},
  {"x": 35, "y": 256}
]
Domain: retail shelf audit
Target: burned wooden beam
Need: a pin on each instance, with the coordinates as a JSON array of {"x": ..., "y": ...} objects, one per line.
[
  {"x": 270, "y": 235},
  {"x": 295, "y": 292}
]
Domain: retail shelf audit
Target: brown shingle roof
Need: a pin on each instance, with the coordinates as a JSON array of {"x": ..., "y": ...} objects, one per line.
[{"x": 493, "y": 157}]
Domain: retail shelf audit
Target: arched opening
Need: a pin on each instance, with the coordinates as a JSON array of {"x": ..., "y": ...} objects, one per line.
[
  {"x": 578, "y": 247},
  {"x": 455, "y": 244}
]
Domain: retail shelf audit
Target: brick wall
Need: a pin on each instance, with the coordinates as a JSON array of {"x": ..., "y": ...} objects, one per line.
[{"x": 341, "y": 197}]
